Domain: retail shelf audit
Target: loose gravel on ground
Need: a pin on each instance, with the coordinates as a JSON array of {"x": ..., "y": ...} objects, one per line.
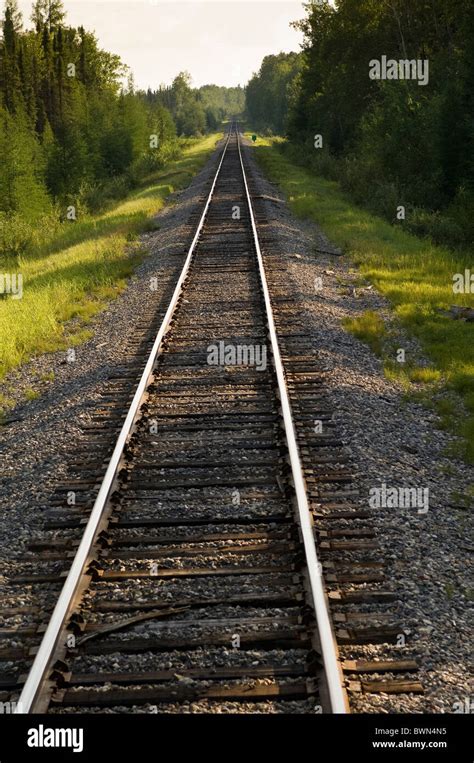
[{"x": 392, "y": 440}]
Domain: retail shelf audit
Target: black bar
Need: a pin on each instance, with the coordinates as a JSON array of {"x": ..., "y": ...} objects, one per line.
[{"x": 155, "y": 737}]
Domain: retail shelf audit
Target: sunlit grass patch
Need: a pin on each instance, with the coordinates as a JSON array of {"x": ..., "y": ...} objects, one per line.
[
  {"x": 48, "y": 376},
  {"x": 422, "y": 375},
  {"x": 420, "y": 382},
  {"x": 31, "y": 394},
  {"x": 369, "y": 328}
]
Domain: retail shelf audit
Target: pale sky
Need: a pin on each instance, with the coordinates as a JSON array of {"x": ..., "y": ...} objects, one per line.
[{"x": 218, "y": 41}]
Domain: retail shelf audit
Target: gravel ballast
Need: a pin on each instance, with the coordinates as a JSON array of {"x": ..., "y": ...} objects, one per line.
[{"x": 392, "y": 441}]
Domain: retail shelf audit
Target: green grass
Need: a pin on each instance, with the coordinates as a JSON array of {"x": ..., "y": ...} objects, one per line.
[
  {"x": 48, "y": 376},
  {"x": 415, "y": 275},
  {"x": 5, "y": 403},
  {"x": 31, "y": 394},
  {"x": 84, "y": 264},
  {"x": 369, "y": 328},
  {"x": 464, "y": 500}
]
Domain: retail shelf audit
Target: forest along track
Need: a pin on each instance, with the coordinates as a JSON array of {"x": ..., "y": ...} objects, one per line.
[{"x": 197, "y": 593}]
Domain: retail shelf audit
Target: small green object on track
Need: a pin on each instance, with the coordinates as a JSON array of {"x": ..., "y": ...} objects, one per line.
[{"x": 254, "y": 138}]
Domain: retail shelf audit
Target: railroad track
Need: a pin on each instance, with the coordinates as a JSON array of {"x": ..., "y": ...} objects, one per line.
[{"x": 199, "y": 578}]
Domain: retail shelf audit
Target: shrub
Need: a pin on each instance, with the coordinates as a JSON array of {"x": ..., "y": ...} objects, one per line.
[
  {"x": 17, "y": 237},
  {"x": 442, "y": 228},
  {"x": 93, "y": 197}
]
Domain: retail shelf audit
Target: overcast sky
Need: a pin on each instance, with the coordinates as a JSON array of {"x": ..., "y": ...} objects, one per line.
[{"x": 217, "y": 41}]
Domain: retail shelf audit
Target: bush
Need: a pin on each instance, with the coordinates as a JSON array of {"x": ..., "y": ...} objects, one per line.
[
  {"x": 326, "y": 164},
  {"x": 17, "y": 238},
  {"x": 461, "y": 211},
  {"x": 453, "y": 226},
  {"x": 20, "y": 239},
  {"x": 441, "y": 228},
  {"x": 321, "y": 161},
  {"x": 93, "y": 197}
]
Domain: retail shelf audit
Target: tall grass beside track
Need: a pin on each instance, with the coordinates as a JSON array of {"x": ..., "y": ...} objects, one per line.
[
  {"x": 415, "y": 275},
  {"x": 79, "y": 265}
]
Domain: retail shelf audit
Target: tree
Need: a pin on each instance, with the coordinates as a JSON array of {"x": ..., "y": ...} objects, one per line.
[
  {"x": 417, "y": 141},
  {"x": 225, "y": 102},
  {"x": 10, "y": 58},
  {"x": 64, "y": 132},
  {"x": 11, "y": 6},
  {"x": 188, "y": 111},
  {"x": 48, "y": 14},
  {"x": 21, "y": 189},
  {"x": 268, "y": 92}
]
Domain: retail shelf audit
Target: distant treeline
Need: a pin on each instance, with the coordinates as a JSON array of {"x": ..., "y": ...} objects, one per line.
[
  {"x": 400, "y": 140},
  {"x": 272, "y": 92},
  {"x": 197, "y": 111},
  {"x": 71, "y": 132}
]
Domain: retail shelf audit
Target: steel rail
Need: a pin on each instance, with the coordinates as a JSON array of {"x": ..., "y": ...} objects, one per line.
[
  {"x": 42, "y": 664},
  {"x": 328, "y": 644},
  {"x": 38, "y": 673}
]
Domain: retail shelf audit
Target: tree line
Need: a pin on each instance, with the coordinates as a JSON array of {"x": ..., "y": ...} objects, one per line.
[
  {"x": 271, "y": 92},
  {"x": 73, "y": 128},
  {"x": 391, "y": 138},
  {"x": 197, "y": 110}
]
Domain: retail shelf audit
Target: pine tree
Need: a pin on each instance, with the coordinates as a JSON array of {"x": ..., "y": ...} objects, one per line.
[
  {"x": 10, "y": 80},
  {"x": 49, "y": 14},
  {"x": 21, "y": 189},
  {"x": 57, "y": 131},
  {"x": 15, "y": 14}
]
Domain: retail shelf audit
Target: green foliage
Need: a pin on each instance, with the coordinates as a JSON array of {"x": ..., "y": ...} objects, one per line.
[
  {"x": 221, "y": 103},
  {"x": 195, "y": 111},
  {"x": 270, "y": 92},
  {"x": 230, "y": 101},
  {"x": 48, "y": 14},
  {"x": 391, "y": 142},
  {"x": 21, "y": 188},
  {"x": 70, "y": 134},
  {"x": 369, "y": 328},
  {"x": 16, "y": 238},
  {"x": 184, "y": 104}
]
